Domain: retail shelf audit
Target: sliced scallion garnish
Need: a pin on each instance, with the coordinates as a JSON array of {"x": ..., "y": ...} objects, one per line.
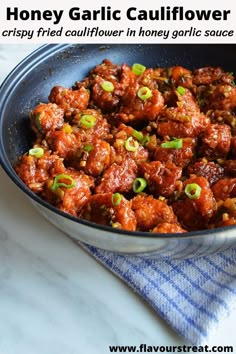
[
  {"x": 63, "y": 177},
  {"x": 107, "y": 86},
  {"x": 116, "y": 199},
  {"x": 173, "y": 144},
  {"x": 88, "y": 121},
  {"x": 193, "y": 191},
  {"x": 144, "y": 93},
  {"x": 143, "y": 139},
  {"x": 88, "y": 147},
  {"x": 181, "y": 90},
  {"x": 37, "y": 122},
  {"x": 139, "y": 184},
  {"x": 138, "y": 135},
  {"x": 131, "y": 145},
  {"x": 36, "y": 152},
  {"x": 138, "y": 69}
]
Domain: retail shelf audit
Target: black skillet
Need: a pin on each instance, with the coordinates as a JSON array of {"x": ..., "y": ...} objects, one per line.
[{"x": 30, "y": 83}]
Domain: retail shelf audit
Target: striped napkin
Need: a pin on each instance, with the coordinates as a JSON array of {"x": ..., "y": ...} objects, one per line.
[{"x": 192, "y": 295}]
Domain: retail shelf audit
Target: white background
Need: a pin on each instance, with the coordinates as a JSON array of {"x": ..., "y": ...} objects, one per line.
[{"x": 123, "y": 24}]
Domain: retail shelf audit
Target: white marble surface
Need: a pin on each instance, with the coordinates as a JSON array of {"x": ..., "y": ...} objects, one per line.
[{"x": 56, "y": 299}]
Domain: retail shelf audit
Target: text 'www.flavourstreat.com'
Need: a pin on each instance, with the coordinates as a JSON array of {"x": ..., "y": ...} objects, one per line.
[{"x": 144, "y": 348}]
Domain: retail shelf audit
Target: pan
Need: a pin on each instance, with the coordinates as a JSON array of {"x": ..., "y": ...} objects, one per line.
[{"x": 30, "y": 83}]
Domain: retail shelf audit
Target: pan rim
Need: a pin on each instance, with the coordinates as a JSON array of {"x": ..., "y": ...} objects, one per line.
[{"x": 24, "y": 66}]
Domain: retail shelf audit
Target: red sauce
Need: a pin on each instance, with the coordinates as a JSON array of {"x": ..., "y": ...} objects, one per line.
[{"x": 150, "y": 152}]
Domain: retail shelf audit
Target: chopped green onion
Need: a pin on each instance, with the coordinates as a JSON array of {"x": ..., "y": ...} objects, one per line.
[
  {"x": 137, "y": 135},
  {"x": 130, "y": 147},
  {"x": 63, "y": 176},
  {"x": 144, "y": 93},
  {"x": 143, "y": 139},
  {"x": 116, "y": 199},
  {"x": 36, "y": 152},
  {"x": 173, "y": 144},
  {"x": 139, "y": 184},
  {"x": 193, "y": 191},
  {"x": 88, "y": 121},
  {"x": 88, "y": 147},
  {"x": 180, "y": 90},
  {"x": 37, "y": 122},
  {"x": 138, "y": 69},
  {"x": 107, "y": 86}
]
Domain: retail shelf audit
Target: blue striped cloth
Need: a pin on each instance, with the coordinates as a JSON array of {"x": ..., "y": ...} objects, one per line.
[{"x": 192, "y": 295}]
